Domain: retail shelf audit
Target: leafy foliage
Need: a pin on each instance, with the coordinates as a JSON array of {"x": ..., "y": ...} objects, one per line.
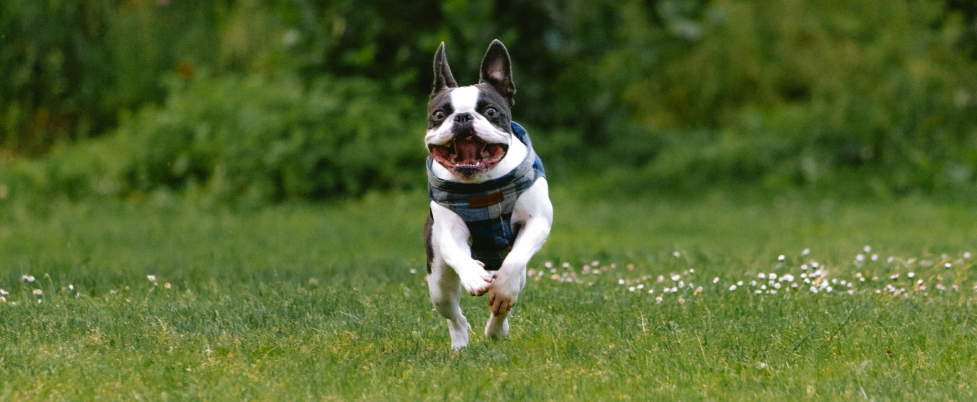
[
  {"x": 251, "y": 140},
  {"x": 665, "y": 94}
]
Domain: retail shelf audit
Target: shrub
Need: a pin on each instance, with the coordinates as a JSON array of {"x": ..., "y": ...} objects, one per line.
[{"x": 250, "y": 140}]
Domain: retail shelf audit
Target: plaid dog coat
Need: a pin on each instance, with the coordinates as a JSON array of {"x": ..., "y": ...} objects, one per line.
[{"x": 487, "y": 207}]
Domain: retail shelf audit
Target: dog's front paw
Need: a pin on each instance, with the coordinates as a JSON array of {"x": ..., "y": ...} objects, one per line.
[
  {"x": 476, "y": 279},
  {"x": 505, "y": 291}
]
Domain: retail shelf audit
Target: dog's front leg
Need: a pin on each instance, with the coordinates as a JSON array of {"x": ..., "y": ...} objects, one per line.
[
  {"x": 534, "y": 213},
  {"x": 450, "y": 237}
]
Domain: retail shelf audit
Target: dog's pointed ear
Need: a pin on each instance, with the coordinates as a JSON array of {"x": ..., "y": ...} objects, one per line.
[
  {"x": 442, "y": 73},
  {"x": 497, "y": 70}
]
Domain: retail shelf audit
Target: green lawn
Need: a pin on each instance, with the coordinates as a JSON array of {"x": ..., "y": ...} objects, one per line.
[{"x": 300, "y": 302}]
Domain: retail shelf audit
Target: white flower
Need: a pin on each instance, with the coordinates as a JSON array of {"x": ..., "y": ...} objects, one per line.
[
  {"x": 151, "y": 277},
  {"x": 814, "y": 289},
  {"x": 776, "y": 286},
  {"x": 859, "y": 257},
  {"x": 875, "y": 257},
  {"x": 595, "y": 263},
  {"x": 867, "y": 249},
  {"x": 780, "y": 257},
  {"x": 4, "y": 292},
  {"x": 947, "y": 265},
  {"x": 658, "y": 299},
  {"x": 804, "y": 267},
  {"x": 891, "y": 258},
  {"x": 650, "y": 291},
  {"x": 620, "y": 281},
  {"x": 412, "y": 271},
  {"x": 566, "y": 265},
  {"x": 631, "y": 289},
  {"x": 966, "y": 255},
  {"x": 72, "y": 287},
  {"x": 772, "y": 275},
  {"x": 28, "y": 278},
  {"x": 675, "y": 277},
  {"x": 677, "y": 254},
  {"x": 806, "y": 251},
  {"x": 38, "y": 291},
  {"x": 661, "y": 278},
  {"x": 757, "y": 292},
  {"x": 548, "y": 264},
  {"x": 715, "y": 280},
  {"x": 793, "y": 285},
  {"x": 167, "y": 285},
  {"x": 740, "y": 283},
  {"x": 674, "y": 289},
  {"x": 641, "y": 286},
  {"x": 851, "y": 292},
  {"x": 761, "y": 275},
  {"x": 911, "y": 274},
  {"x": 894, "y": 276}
]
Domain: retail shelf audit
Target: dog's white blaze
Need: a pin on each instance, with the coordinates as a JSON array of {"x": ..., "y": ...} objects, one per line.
[{"x": 464, "y": 99}]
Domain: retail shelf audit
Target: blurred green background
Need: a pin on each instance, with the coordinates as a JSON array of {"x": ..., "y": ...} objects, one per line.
[{"x": 259, "y": 102}]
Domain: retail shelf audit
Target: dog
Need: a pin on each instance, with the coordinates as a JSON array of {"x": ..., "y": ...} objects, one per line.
[{"x": 490, "y": 206}]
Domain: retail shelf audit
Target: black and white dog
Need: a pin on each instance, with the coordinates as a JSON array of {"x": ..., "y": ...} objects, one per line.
[{"x": 490, "y": 206}]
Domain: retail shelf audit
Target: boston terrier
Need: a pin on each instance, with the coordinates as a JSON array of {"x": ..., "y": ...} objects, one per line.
[{"x": 490, "y": 205}]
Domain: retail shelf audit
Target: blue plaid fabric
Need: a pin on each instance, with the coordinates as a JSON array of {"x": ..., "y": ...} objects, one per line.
[{"x": 487, "y": 207}]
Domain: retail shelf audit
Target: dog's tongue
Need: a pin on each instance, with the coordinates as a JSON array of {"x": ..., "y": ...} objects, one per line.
[{"x": 468, "y": 150}]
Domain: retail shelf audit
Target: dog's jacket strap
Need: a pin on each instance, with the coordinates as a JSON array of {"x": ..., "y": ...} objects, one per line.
[{"x": 487, "y": 207}]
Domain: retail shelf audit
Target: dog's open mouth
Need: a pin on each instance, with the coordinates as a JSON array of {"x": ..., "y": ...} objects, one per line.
[{"x": 469, "y": 155}]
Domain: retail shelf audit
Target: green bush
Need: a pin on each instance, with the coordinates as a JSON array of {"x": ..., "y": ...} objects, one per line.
[
  {"x": 797, "y": 92},
  {"x": 249, "y": 140},
  {"x": 664, "y": 95}
]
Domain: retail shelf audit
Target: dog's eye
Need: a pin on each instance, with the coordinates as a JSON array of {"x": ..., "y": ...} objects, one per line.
[
  {"x": 438, "y": 115},
  {"x": 491, "y": 112}
]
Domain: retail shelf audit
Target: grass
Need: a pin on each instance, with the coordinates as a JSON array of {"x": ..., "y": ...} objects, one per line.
[{"x": 301, "y": 302}]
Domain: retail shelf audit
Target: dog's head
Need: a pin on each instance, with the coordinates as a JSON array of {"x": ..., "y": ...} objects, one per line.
[{"x": 468, "y": 128}]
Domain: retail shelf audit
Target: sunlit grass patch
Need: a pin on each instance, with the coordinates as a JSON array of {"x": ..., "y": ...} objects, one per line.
[{"x": 632, "y": 300}]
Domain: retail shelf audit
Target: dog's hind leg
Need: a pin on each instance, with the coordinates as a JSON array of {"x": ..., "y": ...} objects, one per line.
[
  {"x": 497, "y": 326},
  {"x": 445, "y": 289}
]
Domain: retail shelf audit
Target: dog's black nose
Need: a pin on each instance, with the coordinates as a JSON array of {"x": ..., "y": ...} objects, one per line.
[{"x": 463, "y": 118}]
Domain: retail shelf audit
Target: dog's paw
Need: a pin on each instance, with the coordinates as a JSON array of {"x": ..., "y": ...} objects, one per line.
[
  {"x": 505, "y": 292},
  {"x": 459, "y": 333},
  {"x": 476, "y": 279},
  {"x": 497, "y": 327}
]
